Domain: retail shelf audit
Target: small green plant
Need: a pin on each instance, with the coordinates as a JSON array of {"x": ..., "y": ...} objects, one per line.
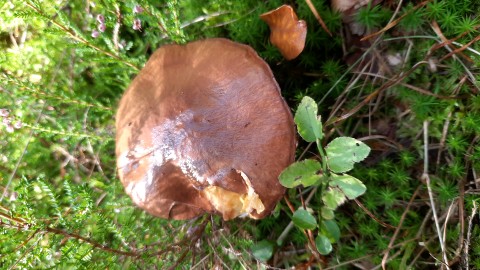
[
  {"x": 372, "y": 16},
  {"x": 328, "y": 176}
]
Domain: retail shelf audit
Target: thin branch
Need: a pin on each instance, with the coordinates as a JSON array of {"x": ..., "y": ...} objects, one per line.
[
  {"x": 116, "y": 28},
  {"x": 461, "y": 49},
  {"x": 419, "y": 233},
  {"x": 26, "y": 241},
  {"x": 364, "y": 102},
  {"x": 426, "y": 178},
  {"x": 92, "y": 243},
  {"x": 82, "y": 40},
  {"x": 284, "y": 234},
  {"x": 393, "y": 22},
  {"x": 21, "y": 224},
  {"x": 437, "y": 31},
  {"x": 469, "y": 235},
  {"x": 402, "y": 218},
  {"x": 370, "y": 214},
  {"x": 19, "y": 160},
  {"x": 382, "y": 138},
  {"x": 289, "y": 227},
  {"x": 443, "y": 139},
  {"x": 13, "y": 266},
  {"x": 204, "y": 18},
  {"x": 20, "y": 221},
  {"x": 317, "y": 16},
  {"x": 412, "y": 87},
  {"x": 348, "y": 262}
]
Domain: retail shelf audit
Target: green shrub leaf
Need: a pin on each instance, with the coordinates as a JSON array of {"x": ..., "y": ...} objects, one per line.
[
  {"x": 309, "y": 126},
  {"x": 332, "y": 198},
  {"x": 331, "y": 229},
  {"x": 301, "y": 173},
  {"x": 304, "y": 220},
  {"x": 263, "y": 250},
  {"x": 327, "y": 213},
  {"x": 324, "y": 246},
  {"x": 351, "y": 186},
  {"x": 343, "y": 152}
]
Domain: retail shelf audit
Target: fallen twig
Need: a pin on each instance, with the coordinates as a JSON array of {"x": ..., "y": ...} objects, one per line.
[
  {"x": 426, "y": 178},
  {"x": 319, "y": 18},
  {"x": 469, "y": 235},
  {"x": 397, "y": 230}
]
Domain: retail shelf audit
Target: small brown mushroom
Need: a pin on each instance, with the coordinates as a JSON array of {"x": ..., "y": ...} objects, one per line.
[
  {"x": 344, "y": 5},
  {"x": 203, "y": 128},
  {"x": 287, "y": 33}
]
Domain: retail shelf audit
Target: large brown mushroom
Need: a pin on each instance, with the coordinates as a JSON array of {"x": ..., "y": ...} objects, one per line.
[{"x": 203, "y": 128}]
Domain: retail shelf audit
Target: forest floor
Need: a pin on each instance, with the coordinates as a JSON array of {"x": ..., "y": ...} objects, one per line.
[{"x": 399, "y": 76}]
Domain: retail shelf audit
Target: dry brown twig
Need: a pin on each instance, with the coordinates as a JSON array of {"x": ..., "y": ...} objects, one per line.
[
  {"x": 317, "y": 16},
  {"x": 393, "y": 22},
  {"x": 443, "y": 139},
  {"x": 370, "y": 214},
  {"x": 307, "y": 233},
  {"x": 452, "y": 208},
  {"x": 413, "y": 87},
  {"x": 396, "y": 80},
  {"x": 469, "y": 236},
  {"x": 22, "y": 224},
  {"x": 461, "y": 49},
  {"x": 397, "y": 230},
  {"x": 444, "y": 44}
]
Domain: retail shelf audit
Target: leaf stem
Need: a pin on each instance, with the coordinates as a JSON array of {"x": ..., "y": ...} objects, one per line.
[
  {"x": 326, "y": 172},
  {"x": 324, "y": 157}
]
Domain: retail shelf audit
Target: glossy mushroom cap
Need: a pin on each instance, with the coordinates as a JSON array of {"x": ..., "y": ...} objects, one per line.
[
  {"x": 350, "y": 6},
  {"x": 344, "y": 5},
  {"x": 287, "y": 33},
  {"x": 203, "y": 128}
]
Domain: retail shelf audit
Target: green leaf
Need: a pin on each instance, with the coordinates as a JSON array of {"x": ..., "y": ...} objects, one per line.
[
  {"x": 308, "y": 125},
  {"x": 351, "y": 186},
  {"x": 331, "y": 229},
  {"x": 301, "y": 173},
  {"x": 263, "y": 250},
  {"x": 324, "y": 246},
  {"x": 332, "y": 198},
  {"x": 304, "y": 220},
  {"x": 327, "y": 213},
  {"x": 343, "y": 152}
]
